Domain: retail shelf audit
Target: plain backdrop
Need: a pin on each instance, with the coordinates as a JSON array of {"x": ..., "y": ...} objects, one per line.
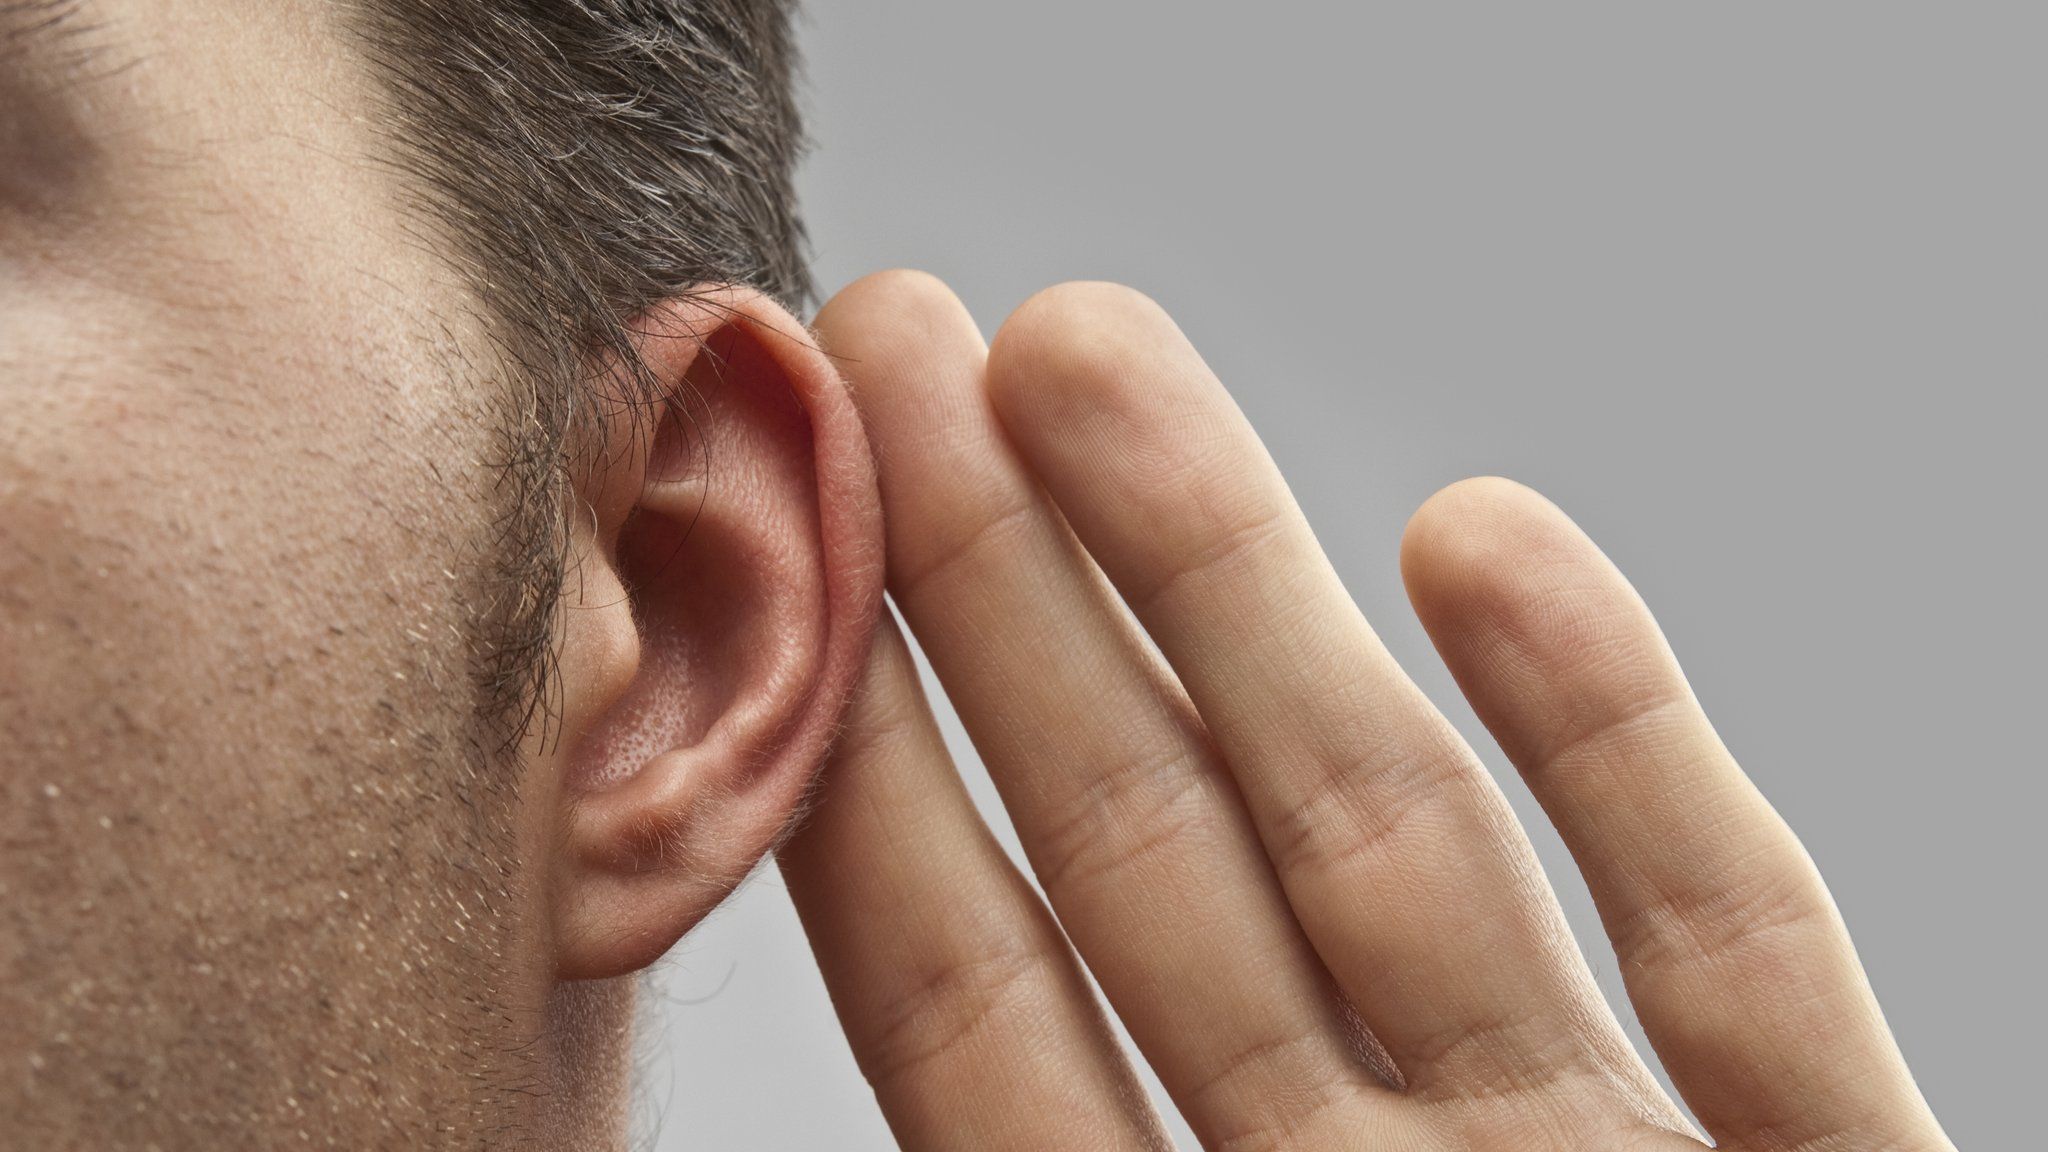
[{"x": 1759, "y": 293}]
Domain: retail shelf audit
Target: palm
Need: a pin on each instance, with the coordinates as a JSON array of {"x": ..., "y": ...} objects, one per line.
[{"x": 1294, "y": 883}]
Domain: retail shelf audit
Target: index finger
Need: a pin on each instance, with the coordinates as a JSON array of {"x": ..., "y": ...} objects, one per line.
[{"x": 966, "y": 1009}]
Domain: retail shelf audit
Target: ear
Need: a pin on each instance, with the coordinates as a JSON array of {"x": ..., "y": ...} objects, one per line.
[{"x": 726, "y": 577}]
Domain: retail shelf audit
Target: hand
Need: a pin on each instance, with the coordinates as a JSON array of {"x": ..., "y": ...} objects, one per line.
[{"x": 1296, "y": 885}]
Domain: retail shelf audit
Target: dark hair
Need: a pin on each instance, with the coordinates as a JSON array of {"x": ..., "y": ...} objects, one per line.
[{"x": 587, "y": 158}]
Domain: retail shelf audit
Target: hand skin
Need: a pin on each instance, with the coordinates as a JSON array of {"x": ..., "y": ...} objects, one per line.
[{"x": 1296, "y": 885}]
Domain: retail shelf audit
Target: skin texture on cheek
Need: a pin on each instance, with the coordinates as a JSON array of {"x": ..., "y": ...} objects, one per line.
[
  {"x": 245, "y": 765},
  {"x": 258, "y": 856}
]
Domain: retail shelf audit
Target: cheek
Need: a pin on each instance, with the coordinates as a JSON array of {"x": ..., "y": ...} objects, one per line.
[
  {"x": 233, "y": 673},
  {"x": 229, "y": 547},
  {"x": 248, "y": 831}
]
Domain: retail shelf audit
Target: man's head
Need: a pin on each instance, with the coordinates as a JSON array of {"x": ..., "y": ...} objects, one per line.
[{"x": 431, "y": 557}]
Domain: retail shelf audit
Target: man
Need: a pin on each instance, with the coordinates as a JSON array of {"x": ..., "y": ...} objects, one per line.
[{"x": 434, "y": 565}]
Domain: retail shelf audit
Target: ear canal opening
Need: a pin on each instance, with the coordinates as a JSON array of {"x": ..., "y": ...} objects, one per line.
[{"x": 687, "y": 607}]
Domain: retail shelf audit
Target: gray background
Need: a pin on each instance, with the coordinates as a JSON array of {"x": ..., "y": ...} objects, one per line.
[{"x": 1754, "y": 291}]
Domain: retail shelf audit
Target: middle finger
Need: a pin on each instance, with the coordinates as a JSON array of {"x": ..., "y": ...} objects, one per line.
[{"x": 1399, "y": 855}]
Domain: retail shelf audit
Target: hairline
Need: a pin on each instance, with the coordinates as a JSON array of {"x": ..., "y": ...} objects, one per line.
[{"x": 474, "y": 90}]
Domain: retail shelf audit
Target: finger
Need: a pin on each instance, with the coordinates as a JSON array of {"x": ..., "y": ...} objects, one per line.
[
  {"x": 1398, "y": 854},
  {"x": 1128, "y": 818},
  {"x": 1736, "y": 959},
  {"x": 965, "y": 1008}
]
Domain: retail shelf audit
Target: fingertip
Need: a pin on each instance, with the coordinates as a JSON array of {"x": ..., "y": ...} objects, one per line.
[
  {"x": 1473, "y": 538},
  {"x": 896, "y": 330},
  {"x": 1494, "y": 567},
  {"x": 886, "y": 295},
  {"x": 912, "y": 359},
  {"x": 1077, "y": 342}
]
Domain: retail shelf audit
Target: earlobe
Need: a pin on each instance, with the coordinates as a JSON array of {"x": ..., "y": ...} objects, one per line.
[{"x": 714, "y": 631}]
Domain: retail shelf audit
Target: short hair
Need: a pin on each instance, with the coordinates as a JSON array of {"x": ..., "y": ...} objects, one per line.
[{"x": 588, "y": 159}]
